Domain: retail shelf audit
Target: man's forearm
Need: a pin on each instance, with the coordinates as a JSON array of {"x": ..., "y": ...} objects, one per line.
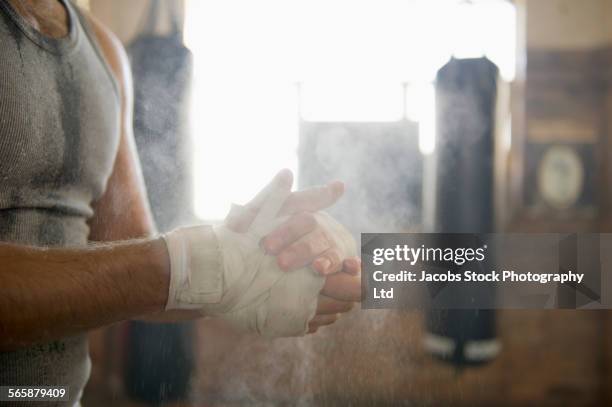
[{"x": 53, "y": 293}]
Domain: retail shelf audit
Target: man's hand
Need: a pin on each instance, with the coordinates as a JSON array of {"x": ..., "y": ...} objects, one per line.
[
  {"x": 302, "y": 240},
  {"x": 339, "y": 294}
]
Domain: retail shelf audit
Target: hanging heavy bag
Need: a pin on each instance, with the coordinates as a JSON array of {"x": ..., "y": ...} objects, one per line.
[
  {"x": 159, "y": 360},
  {"x": 466, "y": 91}
]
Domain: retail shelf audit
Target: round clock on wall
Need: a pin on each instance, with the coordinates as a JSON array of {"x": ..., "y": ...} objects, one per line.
[{"x": 560, "y": 177}]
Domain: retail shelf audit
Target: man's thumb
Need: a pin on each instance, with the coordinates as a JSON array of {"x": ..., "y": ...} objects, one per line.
[
  {"x": 241, "y": 217},
  {"x": 282, "y": 181},
  {"x": 279, "y": 190}
]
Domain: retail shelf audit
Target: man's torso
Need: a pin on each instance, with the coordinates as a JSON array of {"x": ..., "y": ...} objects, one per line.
[{"x": 59, "y": 121}]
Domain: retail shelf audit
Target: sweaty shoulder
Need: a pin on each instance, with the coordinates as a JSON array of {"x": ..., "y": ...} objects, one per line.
[{"x": 114, "y": 53}]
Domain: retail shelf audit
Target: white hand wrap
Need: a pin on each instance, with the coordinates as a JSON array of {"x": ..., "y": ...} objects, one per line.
[{"x": 227, "y": 274}]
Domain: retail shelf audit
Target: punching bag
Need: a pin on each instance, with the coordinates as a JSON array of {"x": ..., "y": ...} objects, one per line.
[
  {"x": 160, "y": 357},
  {"x": 466, "y": 93}
]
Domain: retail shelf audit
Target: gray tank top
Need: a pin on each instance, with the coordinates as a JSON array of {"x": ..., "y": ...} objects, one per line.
[{"x": 59, "y": 132}]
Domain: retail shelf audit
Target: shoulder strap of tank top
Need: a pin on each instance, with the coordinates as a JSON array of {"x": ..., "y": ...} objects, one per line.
[{"x": 86, "y": 27}]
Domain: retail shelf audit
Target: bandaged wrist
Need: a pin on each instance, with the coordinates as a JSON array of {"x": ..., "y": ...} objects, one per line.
[
  {"x": 196, "y": 276},
  {"x": 226, "y": 274}
]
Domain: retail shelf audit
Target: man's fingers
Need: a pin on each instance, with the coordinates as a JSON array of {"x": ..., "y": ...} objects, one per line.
[
  {"x": 303, "y": 251},
  {"x": 343, "y": 287},
  {"x": 352, "y": 266},
  {"x": 313, "y": 199},
  {"x": 240, "y": 217},
  {"x": 291, "y": 230},
  {"x": 322, "y": 320},
  {"x": 271, "y": 199},
  {"x": 283, "y": 179},
  {"x": 327, "y": 305},
  {"x": 328, "y": 263},
  {"x": 273, "y": 202}
]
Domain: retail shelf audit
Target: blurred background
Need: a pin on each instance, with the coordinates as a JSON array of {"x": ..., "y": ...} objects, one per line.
[{"x": 439, "y": 115}]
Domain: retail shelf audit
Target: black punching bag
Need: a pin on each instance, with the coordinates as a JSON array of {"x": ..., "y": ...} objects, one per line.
[
  {"x": 159, "y": 361},
  {"x": 466, "y": 93}
]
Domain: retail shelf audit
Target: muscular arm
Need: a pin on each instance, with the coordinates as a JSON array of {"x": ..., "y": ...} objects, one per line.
[
  {"x": 123, "y": 211},
  {"x": 52, "y": 293}
]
